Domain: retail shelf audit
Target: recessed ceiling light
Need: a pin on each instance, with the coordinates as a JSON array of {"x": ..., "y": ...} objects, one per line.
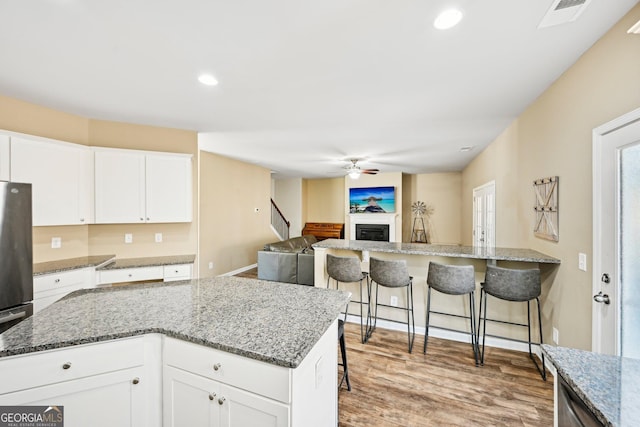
[
  {"x": 447, "y": 19},
  {"x": 207, "y": 79}
]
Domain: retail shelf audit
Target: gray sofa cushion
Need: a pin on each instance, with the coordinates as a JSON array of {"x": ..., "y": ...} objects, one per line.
[{"x": 289, "y": 261}]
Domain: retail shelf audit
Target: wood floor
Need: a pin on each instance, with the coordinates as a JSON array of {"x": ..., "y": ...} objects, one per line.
[{"x": 390, "y": 387}]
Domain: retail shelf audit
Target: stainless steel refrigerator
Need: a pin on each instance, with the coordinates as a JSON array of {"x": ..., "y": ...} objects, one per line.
[{"x": 16, "y": 254}]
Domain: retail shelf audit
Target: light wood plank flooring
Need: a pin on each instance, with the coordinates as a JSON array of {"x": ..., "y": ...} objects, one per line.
[{"x": 390, "y": 387}]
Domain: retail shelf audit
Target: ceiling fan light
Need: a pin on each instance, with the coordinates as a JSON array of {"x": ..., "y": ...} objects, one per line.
[{"x": 354, "y": 174}]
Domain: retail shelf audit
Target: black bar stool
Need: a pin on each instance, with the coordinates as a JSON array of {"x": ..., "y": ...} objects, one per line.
[
  {"x": 393, "y": 274},
  {"x": 346, "y": 269},
  {"x": 343, "y": 354},
  {"x": 512, "y": 285},
  {"x": 453, "y": 280}
]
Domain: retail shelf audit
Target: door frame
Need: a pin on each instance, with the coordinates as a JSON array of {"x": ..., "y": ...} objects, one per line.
[
  {"x": 488, "y": 185},
  {"x": 598, "y": 135}
]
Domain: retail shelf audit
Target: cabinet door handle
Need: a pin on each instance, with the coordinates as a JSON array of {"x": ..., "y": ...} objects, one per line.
[
  {"x": 141, "y": 219},
  {"x": 212, "y": 396},
  {"x": 136, "y": 380},
  {"x": 67, "y": 365},
  {"x": 221, "y": 400},
  {"x": 81, "y": 219},
  {"x": 217, "y": 367}
]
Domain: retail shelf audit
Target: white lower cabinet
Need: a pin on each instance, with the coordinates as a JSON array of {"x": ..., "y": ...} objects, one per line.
[
  {"x": 193, "y": 400},
  {"x": 109, "y": 384},
  {"x": 49, "y": 288}
]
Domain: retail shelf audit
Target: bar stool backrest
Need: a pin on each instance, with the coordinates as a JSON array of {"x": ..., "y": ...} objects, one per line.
[
  {"x": 389, "y": 273},
  {"x": 451, "y": 279},
  {"x": 512, "y": 284},
  {"x": 344, "y": 269}
]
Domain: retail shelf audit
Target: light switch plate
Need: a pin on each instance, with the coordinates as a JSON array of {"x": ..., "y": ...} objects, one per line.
[
  {"x": 582, "y": 261},
  {"x": 56, "y": 242},
  {"x": 128, "y": 238},
  {"x": 158, "y": 237}
]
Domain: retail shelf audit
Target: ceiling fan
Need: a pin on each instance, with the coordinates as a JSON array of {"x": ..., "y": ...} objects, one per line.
[{"x": 354, "y": 171}]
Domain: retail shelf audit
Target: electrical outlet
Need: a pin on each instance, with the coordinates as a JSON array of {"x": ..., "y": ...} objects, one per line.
[
  {"x": 210, "y": 265},
  {"x": 556, "y": 336},
  {"x": 56, "y": 242},
  {"x": 128, "y": 238},
  {"x": 158, "y": 237},
  {"x": 582, "y": 261},
  {"x": 393, "y": 302}
]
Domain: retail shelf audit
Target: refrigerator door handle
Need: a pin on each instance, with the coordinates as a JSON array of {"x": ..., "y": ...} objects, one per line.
[{"x": 12, "y": 316}]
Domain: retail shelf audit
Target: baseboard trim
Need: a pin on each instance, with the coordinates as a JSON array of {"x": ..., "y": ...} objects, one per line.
[
  {"x": 240, "y": 270},
  {"x": 458, "y": 336}
]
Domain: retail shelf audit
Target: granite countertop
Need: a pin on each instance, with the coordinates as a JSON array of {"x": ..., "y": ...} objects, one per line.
[
  {"x": 108, "y": 262},
  {"x": 277, "y": 323},
  {"x": 119, "y": 263},
  {"x": 457, "y": 251},
  {"x": 608, "y": 385},
  {"x": 70, "y": 264}
]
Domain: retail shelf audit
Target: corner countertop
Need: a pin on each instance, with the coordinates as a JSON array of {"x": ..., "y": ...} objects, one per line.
[
  {"x": 108, "y": 262},
  {"x": 273, "y": 322},
  {"x": 608, "y": 385},
  {"x": 59, "y": 266},
  {"x": 120, "y": 263},
  {"x": 456, "y": 251}
]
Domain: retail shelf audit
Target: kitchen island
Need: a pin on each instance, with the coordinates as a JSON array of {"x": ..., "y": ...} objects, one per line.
[
  {"x": 219, "y": 349},
  {"x": 609, "y": 386}
]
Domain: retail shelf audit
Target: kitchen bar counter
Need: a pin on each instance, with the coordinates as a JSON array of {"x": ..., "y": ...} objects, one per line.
[
  {"x": 272, "y": 322},
  {"x": 608, "y": 385},
  {"x": 456, "y": 251}
]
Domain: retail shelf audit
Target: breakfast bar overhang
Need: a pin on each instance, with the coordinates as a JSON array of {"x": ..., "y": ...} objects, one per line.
[{"x": 418, "y": 256}]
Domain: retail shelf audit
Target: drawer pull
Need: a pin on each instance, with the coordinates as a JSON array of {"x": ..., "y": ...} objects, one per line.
[
  {"x": 212, "y": 396},
  {"x": 221, "y": 400},
  {"x": 66, "y": 365},
  {"x": 130, "y": 274},
  {"x": 136, "y": 380},
  {"x": 57, "y": 281},
  {"x": 217, "y": 367}
]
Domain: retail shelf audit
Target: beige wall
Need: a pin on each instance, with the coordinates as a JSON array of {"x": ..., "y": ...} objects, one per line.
[
  {"x": 231, "y": 232},
  {"x": 20, "y": 116},
  {"x": 324, "y": 200},
  {"x": 442, "y": 191},
  {"x": 553, "y": 137}
]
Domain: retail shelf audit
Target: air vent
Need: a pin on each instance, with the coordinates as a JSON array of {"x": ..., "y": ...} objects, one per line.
[
  {"x": 563, "y": 11},
  {"x": 569, "y": 3}
]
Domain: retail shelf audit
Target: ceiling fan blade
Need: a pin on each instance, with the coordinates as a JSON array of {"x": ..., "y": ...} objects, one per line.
[{"x": 370, "y": 171}]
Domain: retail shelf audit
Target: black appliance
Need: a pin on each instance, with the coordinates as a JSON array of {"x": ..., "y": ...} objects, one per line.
[{"x": 16, "y": 254}]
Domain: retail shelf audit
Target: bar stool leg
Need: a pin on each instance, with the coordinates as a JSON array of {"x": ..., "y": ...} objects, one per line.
[
  {"x": 426, "y": 329},
  {"x": 410, "y": 316},
  {"x": 483, "y": 322},
  {"x": 345, "y": 367},
  {"x": 472, "y": 319}
]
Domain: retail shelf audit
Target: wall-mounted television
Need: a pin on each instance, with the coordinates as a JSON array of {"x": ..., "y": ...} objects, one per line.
[{"x": 372, "y": 200}]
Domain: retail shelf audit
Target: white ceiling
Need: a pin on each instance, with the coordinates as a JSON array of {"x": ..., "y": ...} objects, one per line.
[{"x": 304, "y": 84}]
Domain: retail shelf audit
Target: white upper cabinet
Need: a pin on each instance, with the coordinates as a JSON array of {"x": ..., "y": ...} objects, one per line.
[
  {"x": 4, "y": 158},
  {"x": 61, "y": 175},
  {"x": 119, "y": 187},
  {"x": 137, "y": 187},
  {"x": 169, "y": 189}
]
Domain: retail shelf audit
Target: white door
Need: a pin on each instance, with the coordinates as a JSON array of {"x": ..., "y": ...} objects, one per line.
[
  {"x": 616, "y": 237},
  {"x": 484, "y": 218}
]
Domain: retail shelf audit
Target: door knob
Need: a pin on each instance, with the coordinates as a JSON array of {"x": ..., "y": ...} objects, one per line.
[
  {"x": 602, "y": 298},
  {"x": 605, "y": 278}
]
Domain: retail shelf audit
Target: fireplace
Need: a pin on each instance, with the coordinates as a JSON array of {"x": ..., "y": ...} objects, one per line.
[
  {"x": 377, "y": 232},
  {"x": 373, "y": 220}
]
